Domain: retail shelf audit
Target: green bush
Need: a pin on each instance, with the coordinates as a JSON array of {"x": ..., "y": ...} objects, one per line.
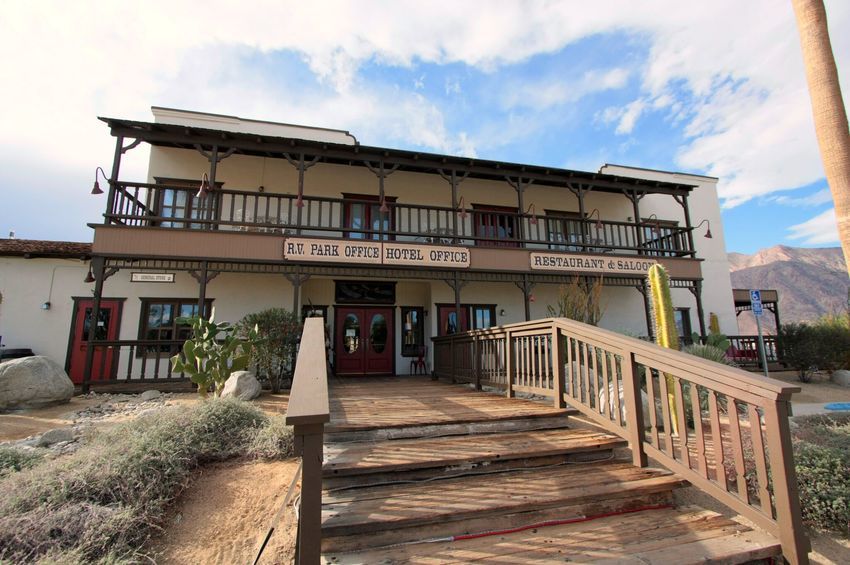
[
  {"x": 822, "y": 461},
  {"x": 102, "y": 502},
  {"x": 16, "y": 459},
  {"x": 809, "y": 347},
  {"x": 274, "y": 354}
]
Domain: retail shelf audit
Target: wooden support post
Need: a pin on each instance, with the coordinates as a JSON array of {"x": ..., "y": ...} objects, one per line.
[
  {"x": 509, "y": 365},
  {"x": 297, "y": 279},
  {"x": 697, "y": 291},
  {"x": 98, "y": 270},
  {"x": 476, "y": 362},
  {"x": 558, "y": 367},
  {"x": 202, "y": 290},
  {"x": 795, "y": 544},
  {"x": 309, "y": 440},
  {"x": 636, "y": 210},
  {"x": 634, "y": 407},
  {"x": 688, "y": 226},
  {"x": 116, "y": 167}
]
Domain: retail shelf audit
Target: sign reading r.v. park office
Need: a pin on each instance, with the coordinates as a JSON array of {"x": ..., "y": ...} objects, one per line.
[
  {"x": 374, "y": 252},
  {"x": 590, "y": 264}
]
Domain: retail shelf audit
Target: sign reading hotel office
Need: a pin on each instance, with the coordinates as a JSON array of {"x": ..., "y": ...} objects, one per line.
[
  {"x": 589, "y": 263},
  {"x": 374, "y": 253}
]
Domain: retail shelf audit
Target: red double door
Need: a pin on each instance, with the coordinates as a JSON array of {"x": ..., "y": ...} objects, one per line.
[
  {"x": 364, "y": 341},
  {"x": 104, "y": 361}
]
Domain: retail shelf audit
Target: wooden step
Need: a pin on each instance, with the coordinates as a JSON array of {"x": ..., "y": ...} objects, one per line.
[
  {"x": 403, "y": 512},
  {"x": 347, "y": 459},
  {"x": 509, "y": 423},
  {"x": 661, "y": 536}
]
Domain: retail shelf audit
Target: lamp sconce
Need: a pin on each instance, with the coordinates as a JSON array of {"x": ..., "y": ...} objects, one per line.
[
  {"x": 46, "y": 306},
  {"x": 461, "y": 211},
  {"x": 89, "y": 276},
  {"x": 533, "y": 211},
  {"x": 598, "y": 218},
  {"x": 96, "y": 188},
  {"x": 531, "y": 297},
  {"x": 384, "y": 208},
  {"x": 656, "y": 225},
  {"x": 204, "y": 189},
  {"x": 502, "y": 312},
  {"x": 707, "y": 229}
]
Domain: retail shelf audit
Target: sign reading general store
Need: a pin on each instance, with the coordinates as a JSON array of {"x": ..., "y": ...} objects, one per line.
[
  {"x": 374, "y": 253},
  {"x": 589, "y": 264}
]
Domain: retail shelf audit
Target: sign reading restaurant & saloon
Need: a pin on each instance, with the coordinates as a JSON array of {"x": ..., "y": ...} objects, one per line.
[
  {"x": 589, "y": 264},
  {"x": 374, "y": 252}
]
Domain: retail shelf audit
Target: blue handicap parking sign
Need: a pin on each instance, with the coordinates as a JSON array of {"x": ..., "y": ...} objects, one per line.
[{"x": 755, "y": 301}]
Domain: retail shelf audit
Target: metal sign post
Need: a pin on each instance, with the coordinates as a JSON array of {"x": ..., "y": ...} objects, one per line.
[{"x": 755, "y": 301}]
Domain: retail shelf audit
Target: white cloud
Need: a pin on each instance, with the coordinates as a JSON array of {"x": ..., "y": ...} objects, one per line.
[
  {"x": 821, "y": 229},
  {"x": 546, "y": 93},
  {"x": 822, "y": 196}
]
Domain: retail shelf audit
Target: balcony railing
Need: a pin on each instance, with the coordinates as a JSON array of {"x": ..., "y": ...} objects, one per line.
[{"x": 139, "y": 204}]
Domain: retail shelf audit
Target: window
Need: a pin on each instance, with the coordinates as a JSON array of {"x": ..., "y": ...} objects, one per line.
[
  {"x": 412, "y": 330},
  {"x": 177, "y": 199},
  {"x": 682, "y": 317},
  {"x": 356, "y": 292},
  {"x": 159, "y": 320},
  {"x": 662, "y": 237},
  {"x": 563, "y": 230},
  {"x": 483, "y": 316},
  {"x": 495, "y": 226},
  {"x": 312, "y": 311},
  {"x": 362, "y": 214}
]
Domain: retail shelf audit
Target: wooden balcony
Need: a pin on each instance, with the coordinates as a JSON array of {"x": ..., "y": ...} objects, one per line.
[{"x": 178, "y": 208}]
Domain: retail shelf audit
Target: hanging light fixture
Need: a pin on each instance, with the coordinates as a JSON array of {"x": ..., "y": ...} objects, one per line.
[
  {"x": 533, "y": 211},
  {"x": 204, "y": 189},
  {"x": 461, "y": 211},
  {"x": 96, "y": 188},
  {"x": 89, "y": 277},
  {"x": 384, "y": 208},
  {"x": 707, "y": 230},
  {"x": 598, "y": 224},
  {"x": 656, "y": 225}
]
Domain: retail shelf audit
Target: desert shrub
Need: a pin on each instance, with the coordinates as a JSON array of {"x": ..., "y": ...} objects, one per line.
[
  {"x": 710, "y": 353},
  {"x": 809, "y": 347},
  {"x": 822, "y": 461},
  {"x": 15, "y": 459},
  {"x": 580, "y": 300},
  {"x": 101, "y": 503},
  {"x": 272, "y": 441},
  {"x": 274, "y": 355}
]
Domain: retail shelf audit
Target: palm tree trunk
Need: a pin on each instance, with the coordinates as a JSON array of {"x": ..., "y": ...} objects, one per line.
[{"x": 828, "y": 108}]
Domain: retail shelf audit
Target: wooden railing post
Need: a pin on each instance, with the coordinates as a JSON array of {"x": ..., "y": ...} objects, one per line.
[
  {"x": 634, "y": 407},
  {"x": 795, "y": 545},
  {"x": 558, "y": 367},
  {"x": 309, "y": 440},
  {"x": 476, "y": 362},
  {"x": 509, "y": 365},
  {"x": 454, "y": 362}
]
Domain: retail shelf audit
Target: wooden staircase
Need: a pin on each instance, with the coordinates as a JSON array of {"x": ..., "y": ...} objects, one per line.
[{"x": 523, "y": 486}]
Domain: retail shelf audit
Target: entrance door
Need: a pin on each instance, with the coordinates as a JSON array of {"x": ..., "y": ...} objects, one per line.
[
  {"x": 104, "y": 363},
  {"x": 364, "y": 341}
]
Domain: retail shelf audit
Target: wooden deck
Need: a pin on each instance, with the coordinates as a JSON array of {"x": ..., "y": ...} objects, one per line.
[{"x": 420, "y": 471}]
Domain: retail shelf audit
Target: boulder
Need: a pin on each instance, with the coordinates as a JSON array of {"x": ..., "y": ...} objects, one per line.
[
  {"x": 242, "y": 385},
  {"x": 57, "y": 435},
  {"x": 150, "y": 395},
  {"x": 33, "y": 382},
  {"x": 841, "y": 378},
  {"x": 612, "y": 404}
]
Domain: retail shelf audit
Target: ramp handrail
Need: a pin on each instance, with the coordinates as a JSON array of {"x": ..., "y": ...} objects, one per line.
[
  {"x": 308, "y": 411},
  {"x": 723, "y": 429}
]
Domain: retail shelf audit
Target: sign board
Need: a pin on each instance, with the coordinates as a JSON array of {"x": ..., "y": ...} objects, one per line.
[
  {"x": 374, "y": 253},
  {"x": 152, "y": 277},
  {"x": 546, "y": 261},
  {"x": 755, "y": 301}
]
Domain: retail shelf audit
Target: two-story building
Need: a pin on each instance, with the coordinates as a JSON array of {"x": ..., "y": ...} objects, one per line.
[{"x": 391, "y": 246}]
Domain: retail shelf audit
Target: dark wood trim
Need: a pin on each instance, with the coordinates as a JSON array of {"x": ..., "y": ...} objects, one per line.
[{"x": 143, "y": 311}]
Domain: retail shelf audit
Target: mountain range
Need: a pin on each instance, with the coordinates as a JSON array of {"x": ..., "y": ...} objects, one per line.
[{"x": 811, "y": 282}]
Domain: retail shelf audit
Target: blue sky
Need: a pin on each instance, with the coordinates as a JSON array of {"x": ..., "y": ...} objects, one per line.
[{"x": 655, "y": 84}]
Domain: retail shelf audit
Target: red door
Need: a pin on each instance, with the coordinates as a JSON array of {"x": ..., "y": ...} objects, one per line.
[
  {"x": 449, "y": 321},
  {"x": 364, "y": 341},
  {"x": 105, "y": 362}
]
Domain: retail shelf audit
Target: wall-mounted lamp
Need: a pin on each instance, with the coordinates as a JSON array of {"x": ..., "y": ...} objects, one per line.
[
  {"x": 89, "y": 276},
  {"x": 533, "y": 211},
  {"x": 598, "y": 218},
  {"x": 531, "y": 298},
  {"x": 656, "y": 225},
  {"x": 707, "y": 230},
  {"x": 502, "y": 312},
  {"x": 96, "y": 188},
  {"x": 46, "y": 306},
  {"x": 461, "y": 211},
  {"x": 384, "y": 208},
  {"x": 204, "y": 189}
]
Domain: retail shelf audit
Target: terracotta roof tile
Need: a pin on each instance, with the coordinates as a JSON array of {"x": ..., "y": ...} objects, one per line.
[{"x": 41, "y": 248}]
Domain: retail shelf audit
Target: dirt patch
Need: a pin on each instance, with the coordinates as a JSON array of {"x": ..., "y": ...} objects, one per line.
[
  {"x": 224, "y": 516},
  {"x": 24, "y": 423},
  {"x": 820, "y": 390}
]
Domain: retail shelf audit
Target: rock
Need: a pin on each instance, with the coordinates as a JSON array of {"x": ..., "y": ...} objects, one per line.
[
  {"x": 150, "y": 395},
  {"x": 841, "y": 378},
  {"x": 121, "y": 398},
  {"x": 612, "y": 405},
  {"x": 33, "y": 382},
  {"x": 57, "y": 435},
  {"x": 242, "y": 385}
]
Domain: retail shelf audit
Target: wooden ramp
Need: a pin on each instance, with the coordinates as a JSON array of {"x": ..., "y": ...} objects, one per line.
[{"x": 418, "y": 471}]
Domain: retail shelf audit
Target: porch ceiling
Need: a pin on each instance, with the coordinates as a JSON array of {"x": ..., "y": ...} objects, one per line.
[{"x": 188, "y": 137}]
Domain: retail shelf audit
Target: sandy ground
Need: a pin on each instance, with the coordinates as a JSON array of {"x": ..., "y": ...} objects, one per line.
[
  {"x": 226, "y": 513},
  {"x": 820, "y": 390}
]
